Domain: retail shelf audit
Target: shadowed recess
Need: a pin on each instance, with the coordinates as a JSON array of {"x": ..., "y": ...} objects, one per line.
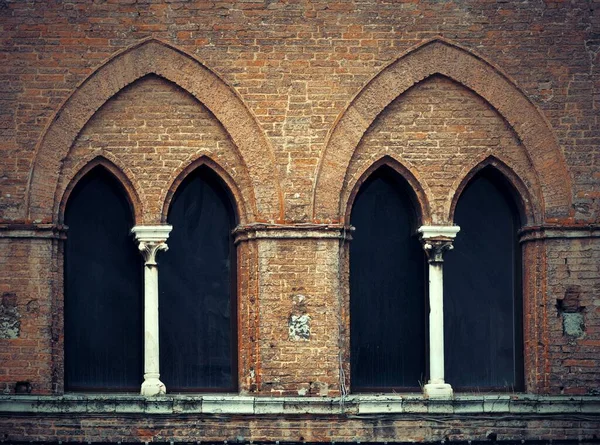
[
  {"x": 197, "y": 288},
  {"x": 103, "y": 288},
  {"x": 387, "y": 295},
  {"x": 482, "y": 289}
]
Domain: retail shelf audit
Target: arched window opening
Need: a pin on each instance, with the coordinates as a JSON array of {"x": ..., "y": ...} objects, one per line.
[
  {"x": 482, "y": 289},
  {"x": 387, "y": 293},
  {"x": 103, "y": 288},
  {"x": 198, "y": 319}
]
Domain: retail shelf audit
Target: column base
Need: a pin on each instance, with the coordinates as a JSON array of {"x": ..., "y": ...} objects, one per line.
[
  {"x": 152, "y": 386},
  {"x": 438, "y": 391}
]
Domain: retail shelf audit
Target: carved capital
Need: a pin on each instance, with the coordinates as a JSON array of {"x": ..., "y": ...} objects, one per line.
[
  {"x": 151, "y": 239},
  {"x": 150, "y": 249},
  {"x": 437, "y": 240},
  {"x": 435, "y": 249}
]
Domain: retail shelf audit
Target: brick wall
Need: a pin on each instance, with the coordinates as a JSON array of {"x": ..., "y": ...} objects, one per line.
[
  {"x": 328, "y": 428},
  {"x": 291, "y": 102},
  {"x": 299, "y": 291},
  {"x": 574, "y": 315},
  {"x": 298, "y": 65},
  {"x": 30, "y": 302}
]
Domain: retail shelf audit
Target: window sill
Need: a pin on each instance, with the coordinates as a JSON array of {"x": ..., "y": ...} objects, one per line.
[{"x": 516, "y": 404}]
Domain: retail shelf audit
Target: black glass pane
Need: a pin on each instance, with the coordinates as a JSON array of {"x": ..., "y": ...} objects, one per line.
[
  {"x": 197, "y": 310},
  {"x": 387, "y": 295},
  {"x": 482, "y": 290},
  {"x": 103, "y": 289}
]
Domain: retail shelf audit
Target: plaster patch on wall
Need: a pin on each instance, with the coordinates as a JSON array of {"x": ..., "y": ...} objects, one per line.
[
  {"x": 573, "y": 324},
  {"x": 299, "y": 321},
  {"x": 10, "y": 319},
  {"x": 299, "y": 327}
]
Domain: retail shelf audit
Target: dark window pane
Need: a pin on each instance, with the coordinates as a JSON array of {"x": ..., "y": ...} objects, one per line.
[
  {"x": 482, "y": 289},
  {"x": 387, "y": 296},
  {"x": 197, "y": 288},
  {"x": 103, "y": 289}
]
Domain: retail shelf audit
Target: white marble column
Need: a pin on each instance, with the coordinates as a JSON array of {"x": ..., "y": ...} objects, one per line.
[
  {"x": 151, "y": 239},
  {"x": 436, "y": 241}
]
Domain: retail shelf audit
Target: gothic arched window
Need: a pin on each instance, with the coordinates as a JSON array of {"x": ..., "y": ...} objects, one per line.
[
  {"x": 197, "y": 303},
  {"x": 103, "y": 288},
  {"x": 387, "y": 287},
  {"x": 482, "y": 288}
]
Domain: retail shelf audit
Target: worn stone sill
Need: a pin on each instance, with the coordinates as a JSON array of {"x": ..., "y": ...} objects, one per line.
[{"x": 514, "y": 404}]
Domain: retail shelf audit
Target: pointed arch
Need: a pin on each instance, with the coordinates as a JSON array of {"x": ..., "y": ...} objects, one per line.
[
  {"x": 237, "y": 196},
  {"x": 386, "y": 283},
  {"x": 103, "y": 285},
  {"x": 118, "y": 173},
  {"x": 483, "y": 290},
  {"x": 198, "y": 276},
  {"x": 521, "y": 194},
  {"x": 154, "y": 57},
  {"x": 418, "y": 188},
  {"x": 439, "y": 56}
]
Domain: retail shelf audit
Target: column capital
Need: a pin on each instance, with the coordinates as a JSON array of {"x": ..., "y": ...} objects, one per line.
[
  {"x": 151, "y": 239},
  {"x": 437, "y": 240}
]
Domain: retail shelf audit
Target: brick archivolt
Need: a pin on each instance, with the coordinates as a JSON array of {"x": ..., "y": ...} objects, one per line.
[
  {"x": 111, "y": 163},
  {"x": 549, "y": 185},
  {"x": 528, "y": 206},
  {"x": 157, "y": 133},
  {"x": 146, "y": 58},
  {"x": 404, "y": 168}
]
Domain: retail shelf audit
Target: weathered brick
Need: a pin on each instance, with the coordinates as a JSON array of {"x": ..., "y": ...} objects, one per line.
[{"x": 294, "y": 129}]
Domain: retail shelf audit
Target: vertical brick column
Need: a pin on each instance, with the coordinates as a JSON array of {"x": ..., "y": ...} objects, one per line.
[
  {"x": 151, "y": 240},
  {"x": 292, "y": 318},
  {"x": 436, "y": 241}
]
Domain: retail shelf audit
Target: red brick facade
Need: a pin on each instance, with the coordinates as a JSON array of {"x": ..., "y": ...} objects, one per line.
[{"x": 294, "y": 104}]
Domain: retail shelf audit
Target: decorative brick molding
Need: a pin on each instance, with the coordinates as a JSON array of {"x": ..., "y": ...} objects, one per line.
[
  {"x": 240, "y": 196},
  {"x": 439, "y": 56},
  {"x": 153, "y": 57},
  {"x": 418, "y": 187},
  {"x": 528, "y": 206},
  {"x": 121, "y": 172}
]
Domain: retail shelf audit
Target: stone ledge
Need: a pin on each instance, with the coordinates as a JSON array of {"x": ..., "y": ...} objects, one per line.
[
  {"x": 256, "y": 231},
  {"x": 32, "y": 231},
  {"x": 537, "y": 233},
  {"x": 516, "y": 404}
]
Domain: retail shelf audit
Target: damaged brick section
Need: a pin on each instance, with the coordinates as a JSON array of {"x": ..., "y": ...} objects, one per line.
[
  {"x": 571, "y": 311},
  {"x": 10, "y": 318}
]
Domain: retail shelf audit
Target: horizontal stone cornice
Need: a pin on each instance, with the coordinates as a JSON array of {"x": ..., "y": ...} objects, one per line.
[
  {"x": 292, "y": 231},
  {"x": 536, "y": 233},
  {"x": 43, "y": 231},
  {"x": 97, "y": 404}
]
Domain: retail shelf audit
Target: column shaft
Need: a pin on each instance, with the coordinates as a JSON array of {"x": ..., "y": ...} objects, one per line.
[
  {"x": 151, "y": 240},
  {"x": 152, "y": 385},
  {"x": 436, "y": 324},
  {"x": 436, "y": 241}
]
